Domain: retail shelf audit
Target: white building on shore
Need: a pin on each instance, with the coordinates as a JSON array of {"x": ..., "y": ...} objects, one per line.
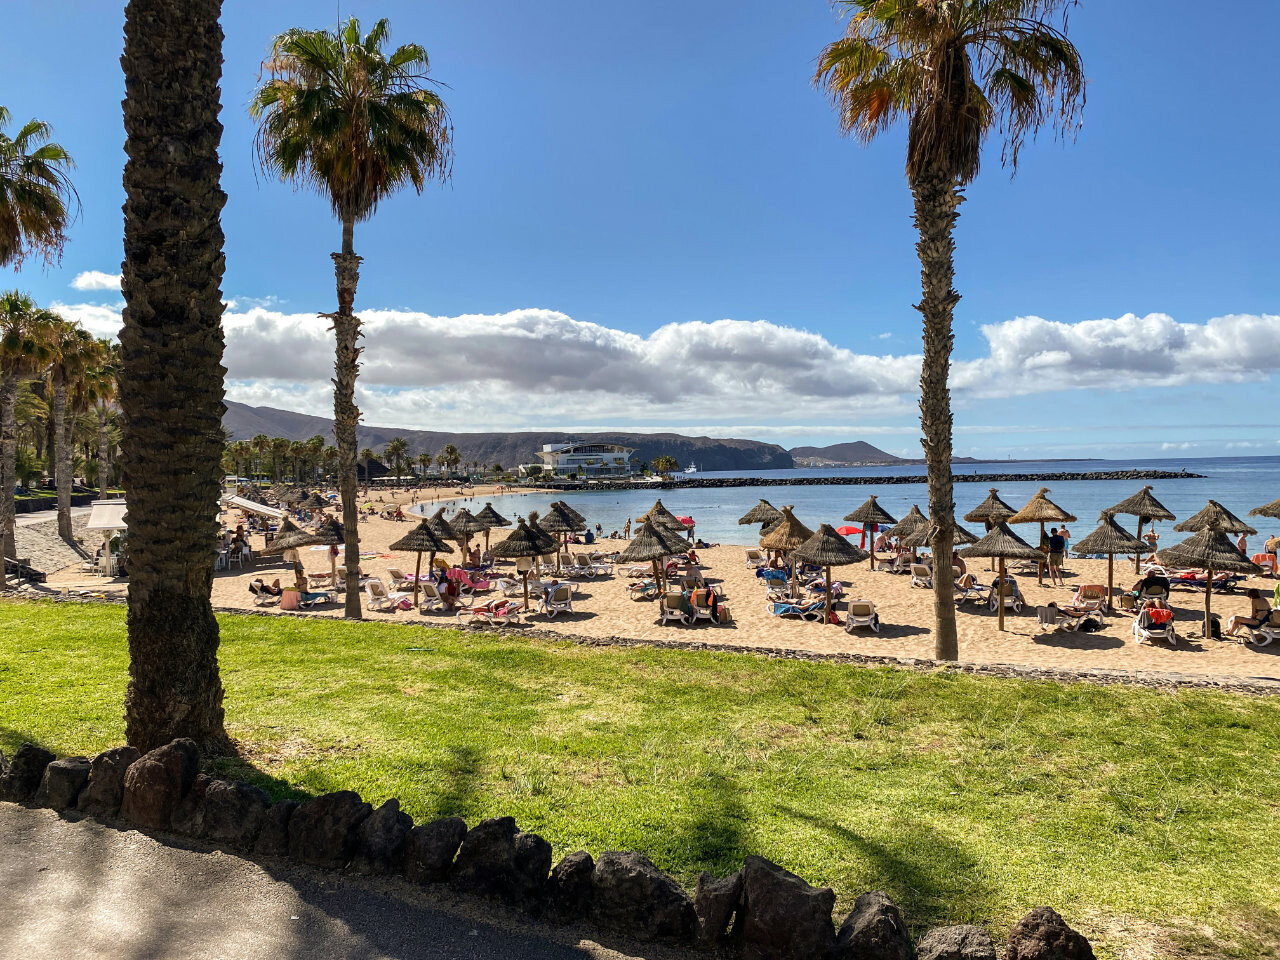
[{"x": 585, "y": 459}]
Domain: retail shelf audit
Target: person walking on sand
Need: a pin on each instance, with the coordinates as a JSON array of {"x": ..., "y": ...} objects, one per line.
[
  {"x": 1057, "y": 551},
  {"x": 626, "y": 529}
]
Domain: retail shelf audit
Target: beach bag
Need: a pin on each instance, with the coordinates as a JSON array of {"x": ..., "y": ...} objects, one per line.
[
  {"x": 1090, "y": 625},
  {"x": 1159, "y": 615},
  {"x": 1215, "y": 627},
  {"x": 723, "y": 616},
  {"x": 404, "y": 603}
]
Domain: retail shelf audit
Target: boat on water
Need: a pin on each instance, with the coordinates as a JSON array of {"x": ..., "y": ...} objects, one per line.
[{"x": 691, "y": 468}]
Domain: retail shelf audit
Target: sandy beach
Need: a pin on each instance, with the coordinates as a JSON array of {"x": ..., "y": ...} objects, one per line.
[{"x": 604, "y": 609}]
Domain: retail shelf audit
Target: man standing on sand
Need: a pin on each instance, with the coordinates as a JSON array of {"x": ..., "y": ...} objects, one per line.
[
  {"x": 1057, "y": 552},
  {"x": 626, "y": 529}
]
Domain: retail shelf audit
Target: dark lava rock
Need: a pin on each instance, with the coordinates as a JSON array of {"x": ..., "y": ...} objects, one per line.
[
  {"x": 1043, "y": 935},
  {"x": 781, "y": 917},
  {"x": 273, "y": 837},
  {"x": 874, "y": 930},
  {"x": 233, "y": 813},
  {"x": 714, "y": 902},
  {"x": 637, "y": 899},
  {"x": 62, "y": 782},
  {"x": 157, "y": 782},
  {"x": 430, "y": 848},
  {"x": 20, "y": 779},
  {"x": 569, "y": 888},
  {"x": 105, "y": 792},
  {"x": 188, "y": 818},
  {"x": 380, "y": 840},
  {"x": 962, "y": 942},
  {"x": 322, "y": 832},
  {"x": 497, "y": 860}
]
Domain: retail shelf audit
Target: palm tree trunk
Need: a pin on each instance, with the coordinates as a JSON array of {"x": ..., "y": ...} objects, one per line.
[
  {"x": 937, "y": 201},
  {"x": 8, "y": 471},
  {"x": 171, "y": 379},
  {"x": 62, "y": 457},
  {"x": 104, "y": 459},
  {"x": 346, "y": 415}
]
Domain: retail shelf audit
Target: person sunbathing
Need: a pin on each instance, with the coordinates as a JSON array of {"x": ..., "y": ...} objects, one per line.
[
  {"x": 274, "y": 590},
  {"x": 1259, "y": 611}
]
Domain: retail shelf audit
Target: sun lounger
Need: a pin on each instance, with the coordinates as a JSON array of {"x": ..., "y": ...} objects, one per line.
[
  {"x": 1061, "y": 618},
  {"x": 804, "y": 609},
  {"x": 398, "y": 579},
  {"x": 261, "y": 598},
  {"x": 497, "y": 612},
  {"x": 1146, "y": 630},
  {"x": 921, "y": 576},
  {"x": 381, "y": 599},
  {"x": 673, "y": 607},
  {"x": 643, "y": 589},
  {"x": 560, "y": 600},
  {"x": 1008, "y": 593},
  {"x": 862, "y": 613},
  {"x": 1091, "y": 596},
  {"x": 430, "y": 598},
  {"x": 1263, "y": 634},
  {"x": 755, "y": 559},
  {"x": 968, "y": 588}
]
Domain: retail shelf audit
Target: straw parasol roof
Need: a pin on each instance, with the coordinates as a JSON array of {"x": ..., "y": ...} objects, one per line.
[
  {"x": 826, "y": 548},
  {"x": 921, "y": 536},
  {"x": 762, "y": 512},
  {"x": 1110, "y": 538},
  {"x": 659, "y": 514},
  {"x": 1214, "y": 515},
  {"x": 871, "y": 512},
  {"x": 286, "y": 494},
  {"x": 557, "y": 520},
  {"x": 315, "y": 502},
  {"x": 651, "y": 542},
  {"x": 521, "y": 542},
  {"x": 422, "y": 539},
  {"x": 441, "y": 527},
  {"x": 990, "y": 510},
  {"x": 546, "y": 541},
  {"x": 572, "y": 513},
  {"x": 787, "y": 535},
  {"x": 464, "y": 524},
  {"x": 1210, "y": 548},
  {"x": 1003, "y": 543},
  {"x": 1040, "y": 509},
  {"x": 908, "y": 524},
  {"x": 1271, "y": 509},
  {"x": 492, "y": 518},
  {"x": 328, "y": 533},
  {"x": 1143, "y": 505}
]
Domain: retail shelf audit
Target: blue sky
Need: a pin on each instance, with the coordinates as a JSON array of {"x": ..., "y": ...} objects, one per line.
[{"x": 653, "y": 221}]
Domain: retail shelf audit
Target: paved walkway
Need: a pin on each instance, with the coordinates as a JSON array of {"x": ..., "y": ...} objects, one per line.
[
  {"x": 81, "y": 890},
  {"x": 44, "y": 516}
]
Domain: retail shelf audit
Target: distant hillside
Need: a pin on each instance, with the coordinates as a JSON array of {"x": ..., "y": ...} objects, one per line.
[
  {"x": 510, "y": 449},
  {"x": 856, "y": 452}
]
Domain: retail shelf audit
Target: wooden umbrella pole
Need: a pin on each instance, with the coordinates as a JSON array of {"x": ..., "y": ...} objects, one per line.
[
  {"x": 417, "y": 573},
  {"x": 1208, "y": 593},
  {"x": 526, "y": 590},
  {"x": 1000, "y": 594},
  {"x": 1040, "y": 565},
  {"x": 1137, "y": 557},
  {"x": 828, "y": 617},
  {"x": 1111, "y": 559}
]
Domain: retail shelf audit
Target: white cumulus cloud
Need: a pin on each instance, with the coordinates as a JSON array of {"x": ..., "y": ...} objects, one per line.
[{"x": 96, "y": 280}]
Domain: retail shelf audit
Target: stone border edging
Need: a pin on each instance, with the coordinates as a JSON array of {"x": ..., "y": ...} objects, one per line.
[{"x": 761, "y": 912}]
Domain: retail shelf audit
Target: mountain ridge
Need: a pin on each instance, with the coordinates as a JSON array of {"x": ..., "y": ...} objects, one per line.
[{"x": 853, "y": 452}]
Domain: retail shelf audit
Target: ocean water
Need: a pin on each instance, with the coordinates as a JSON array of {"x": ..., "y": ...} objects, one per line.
[{"x": 1239, "y": 483}]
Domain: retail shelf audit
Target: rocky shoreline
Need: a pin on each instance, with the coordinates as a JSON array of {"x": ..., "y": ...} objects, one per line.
[{"x": 697, "y": 483}]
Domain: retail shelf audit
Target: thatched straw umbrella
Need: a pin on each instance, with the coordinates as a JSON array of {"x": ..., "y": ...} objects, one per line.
[
  {"x": 1111, "y": 538},
  {"x": 785, "y": 537},
  {"x": 990, "y": 511},
  {"x": 1040, "y": 509},
  {"x": 421, "y": 539},
  {"x": 314, "y": 501},
  {"x": 1215, "y": 514},
  {"x": 763, "y": 512},
  {"x": 921, "y": 536},
  {"x": 1271, "y": 509},
  {"x": 521, "y": 543},
  {"x": 661, "y": 516},
  {"x": 828, "y": 549},
  {"x": 328, "y": 533},
  {"x": 651, "y": 543},
  {"x": 559, "y": 522},
  {"x": 572, "y": 513},
  {"x": 1211, "y": 550},
  {"x": 870, "y": 515},
  {"x": 549, "y": 544},
  {"x": 1146, "y": 508},
  {"x": 464, "y": 525},
  {"x": 1003, "y": 544},
  {"x": 491, "y": 518}
]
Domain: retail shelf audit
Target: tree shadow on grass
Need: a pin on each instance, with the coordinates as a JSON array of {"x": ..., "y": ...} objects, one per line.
[{"x": 931, "y": 877}]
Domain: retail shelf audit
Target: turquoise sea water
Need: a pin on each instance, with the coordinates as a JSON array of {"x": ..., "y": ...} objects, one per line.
[{"x": 1239, "y": 483}]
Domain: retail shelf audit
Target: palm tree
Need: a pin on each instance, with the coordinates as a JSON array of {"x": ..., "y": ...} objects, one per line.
[
  {"x": 451, "y": 457},
  {"x": 954, "y": 70},
  {"x": 395, "y": 452},
  {"x": 329, "y": 460},
  {"x": 424, "y": 463},
  {"x": 101, "y": 385},
  {"x": 35, "y": 193},
  {"x": 75, "y": 352},
  {"x": 367, "y": 456},
  {"x": 171, "y": 377},
  {"x": 339, "y": 114},
  {"x": 260, "y": 445},
  {"x": 24, "y": 354}
]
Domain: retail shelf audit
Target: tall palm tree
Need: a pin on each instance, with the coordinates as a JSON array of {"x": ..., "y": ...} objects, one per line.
[
  {"x": 395, "y": 452},
  {"x": 75, "y": 352},
  {"x": 338, "y": 113},
  {"x": 36, "y": 193},
  {"x": 367, "y": 456},
  {"x": 424, "y": 462},
  {"x": 100, "y": 382},
  {"x": 261, "y": 445},
  {"x": 24, "y": 353},
  {"x": 171, "y": 376},
  {"x": 954, "y": 70},
  {"x": 451, "y": 457}
]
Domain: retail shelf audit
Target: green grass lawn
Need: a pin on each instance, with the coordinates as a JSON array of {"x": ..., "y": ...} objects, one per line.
[{"x": 1144, "y": 818}]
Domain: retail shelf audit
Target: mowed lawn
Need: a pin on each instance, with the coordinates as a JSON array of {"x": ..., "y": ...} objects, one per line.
[{"x": 1151, "y": 820}]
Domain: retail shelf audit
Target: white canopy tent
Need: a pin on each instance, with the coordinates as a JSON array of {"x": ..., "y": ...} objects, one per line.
[
  {"x": 240, "y": 503},
  {"x": 108, "y": 518}
]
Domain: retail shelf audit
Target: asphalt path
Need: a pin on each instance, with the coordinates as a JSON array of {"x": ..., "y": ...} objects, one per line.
[{"x": 82, "y": 890}]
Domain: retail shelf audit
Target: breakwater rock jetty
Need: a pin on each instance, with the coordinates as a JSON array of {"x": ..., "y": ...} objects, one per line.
[{"x": 697, "y": 483}]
